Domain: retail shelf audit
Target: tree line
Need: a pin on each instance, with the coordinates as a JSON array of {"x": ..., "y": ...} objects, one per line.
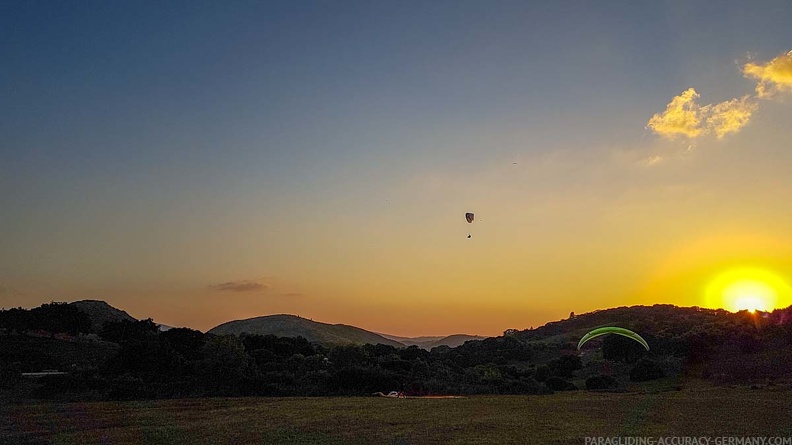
[{"x": 145, "y": 362}]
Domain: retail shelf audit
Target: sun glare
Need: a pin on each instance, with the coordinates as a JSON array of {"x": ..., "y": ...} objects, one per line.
[
  {"x": 748, "y": 289},
  {"x": 749, "y": 295}
]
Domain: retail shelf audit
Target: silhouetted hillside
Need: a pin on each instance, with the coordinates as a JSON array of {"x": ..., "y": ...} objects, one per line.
[
  {"x": 656, "y": 320},
  {"x": 452, "y": 341},
  {"x": 294, "y": 326},
  {"x": 429, "y": 342},
  {"x": 713, "y": 343},
  {"x": 100, "y": 313},
  {"x": 285, "y": 355}
]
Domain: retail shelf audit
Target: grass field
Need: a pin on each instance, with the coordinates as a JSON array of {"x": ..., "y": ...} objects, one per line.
[{"x": 563, "y": 418}]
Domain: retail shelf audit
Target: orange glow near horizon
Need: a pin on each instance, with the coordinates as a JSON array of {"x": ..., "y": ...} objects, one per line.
[{"x": 748, "y": 289}]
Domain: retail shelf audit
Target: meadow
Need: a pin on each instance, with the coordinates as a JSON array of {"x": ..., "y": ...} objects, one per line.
[{"x": 561, "y": 418}]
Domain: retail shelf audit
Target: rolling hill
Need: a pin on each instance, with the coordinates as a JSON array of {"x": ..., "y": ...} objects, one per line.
[
  {"x": 429, "y": 342},
  {"x": 285, "y": 326},
  {"x": 293, "y": 326},
  {"x": 100, "y": 312}
]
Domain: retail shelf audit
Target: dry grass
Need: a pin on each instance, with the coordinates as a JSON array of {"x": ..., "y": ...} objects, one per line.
[{"x": 560, "y": 418}]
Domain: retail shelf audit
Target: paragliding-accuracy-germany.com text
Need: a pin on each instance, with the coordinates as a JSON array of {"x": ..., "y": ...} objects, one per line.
[{"x": 688, "y": 440}]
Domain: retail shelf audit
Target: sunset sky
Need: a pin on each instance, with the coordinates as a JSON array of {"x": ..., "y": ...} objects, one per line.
[{"x": 198, "y": 162}]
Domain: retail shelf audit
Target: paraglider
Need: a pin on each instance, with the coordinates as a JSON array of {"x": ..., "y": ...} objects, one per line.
[
  {"x": 394, "y": 394},
  {"x": 469, "y": 217},
  {"x": 613, "y": 330}
]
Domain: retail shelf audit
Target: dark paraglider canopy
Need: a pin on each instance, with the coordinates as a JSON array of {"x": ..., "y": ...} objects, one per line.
[{"x": 469, "y": 217}]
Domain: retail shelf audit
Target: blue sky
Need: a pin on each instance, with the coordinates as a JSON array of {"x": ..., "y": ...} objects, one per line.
[{"x": 329, "y": 150}]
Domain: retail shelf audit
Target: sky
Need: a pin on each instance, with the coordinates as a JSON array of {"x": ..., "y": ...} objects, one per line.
[{"x": 198, "y": 162}]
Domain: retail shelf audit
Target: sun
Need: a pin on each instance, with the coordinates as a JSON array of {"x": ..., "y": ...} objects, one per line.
[
  {"x": 748, "y": 289},
  {"x": 750, "y": 295}
]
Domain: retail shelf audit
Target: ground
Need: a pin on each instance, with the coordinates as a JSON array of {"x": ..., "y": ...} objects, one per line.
[{"x": 562, "y": 418}]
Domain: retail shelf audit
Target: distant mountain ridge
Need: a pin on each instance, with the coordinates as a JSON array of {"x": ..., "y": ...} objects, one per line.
[
  {"x": 687, "y": 344},
  {"x": 284, "y": 325},
  {"x": 429, "y": 342}
]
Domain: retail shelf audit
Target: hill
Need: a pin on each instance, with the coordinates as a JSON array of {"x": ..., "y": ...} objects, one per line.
[
  {"x": 100, "y": 312},
  {"x": 144, "y": 362},
  {"x": 293, "y": 326},
  {"x": 657, "y": 320},
  {"x": 429, "y": 342},
  {"x": 452, "y": 341}
]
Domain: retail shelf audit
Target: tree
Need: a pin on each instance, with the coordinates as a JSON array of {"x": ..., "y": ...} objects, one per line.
[
  {"x": 645, "y": 370},
  {"x": 542, "y": 373},
  {"x": 59, "y": 318},
  {"x": 489, "y": 373},
  {"x": 185, "y": 342},
  {"x": 126, "y": 331},
  {"x": 621, "y": 349},
  {"x": 14, "y": 320},
  {"x": 565, "y": 365},
  {"x": 601, "y": 382},
  {"x": 348, "y": 355},
  {"x": 559, "y": 384},
  {"x": 225, "y": 362},
  {"x": 143, "y": 354}
]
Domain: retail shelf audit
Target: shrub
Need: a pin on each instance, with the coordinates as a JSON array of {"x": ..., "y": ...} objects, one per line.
[
  {"x": 559, "y": 384},
  {"x": 645, "y": 370},
  {"x": 601, "y": 382},
  {"x": 10, "y": 374}
]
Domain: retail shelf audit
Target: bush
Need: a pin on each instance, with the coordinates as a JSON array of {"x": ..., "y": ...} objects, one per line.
[
  {"x": 128, "y": 387},
  {"x": 10, "y": 374},
  {"x": 621, "y": 349},
  {"x": 601, "y": 382},
  {"x": 542, "y": 373},
  {"x": 645, "y": 370},
  {"x": 565, "y": 365},
  {"x": 559, "y": 384}
]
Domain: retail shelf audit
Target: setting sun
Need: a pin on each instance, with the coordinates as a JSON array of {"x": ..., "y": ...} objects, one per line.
[
  {"x": 748, "y": 289},
  {"x": 749, "y": 295}
]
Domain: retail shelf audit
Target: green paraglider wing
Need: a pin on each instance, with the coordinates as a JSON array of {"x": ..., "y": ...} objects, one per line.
[
  {"x": 469, "y": 217},
  {"x": 613, "y": 330}
]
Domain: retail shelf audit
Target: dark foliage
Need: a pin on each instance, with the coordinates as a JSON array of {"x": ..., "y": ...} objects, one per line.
[
  {"x": 185, "y": 342},
  {"x": 565, "y": 365},
  {"x": 137, "y": 361},
  {"x": 15, "y": 320},
  {"x": 543, "y": 373},
  {"x": 601, "y": 382},
  {"x": 10, "y": 374},
  {"x": 621, "y": 349},
  {"x": 125, "y": 331},
  {"x": 645, "y": 370},
  {"x": 50, "y": 317},
  {"x": 559, "y": 384}
]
